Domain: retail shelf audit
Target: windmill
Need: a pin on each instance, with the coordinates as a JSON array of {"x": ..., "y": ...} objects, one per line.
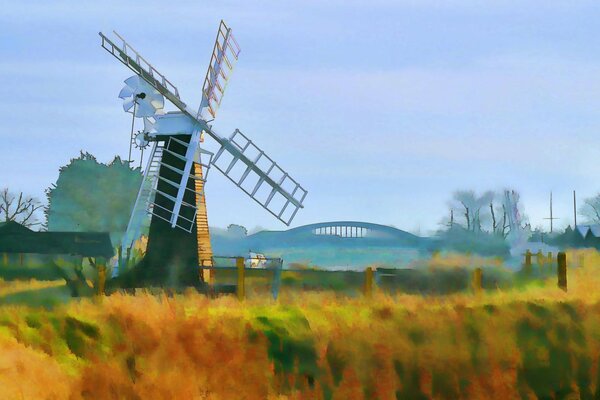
[{"x": 171, "y": 197}]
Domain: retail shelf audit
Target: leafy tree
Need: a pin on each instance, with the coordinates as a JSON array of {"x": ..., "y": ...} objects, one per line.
[
  {"x": 19, "y": 208},
  {"x": 92, "y": 196},
  {"x": 237, "y": 231}
]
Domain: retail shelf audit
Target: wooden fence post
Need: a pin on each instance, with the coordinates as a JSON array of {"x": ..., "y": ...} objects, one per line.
[
  {"x": 561, "y": 259},
  {"x": 369, "y": 282},
  {"x": 241, "y": 289},
  {"x": 539, "y": 257},
  {"x": 120, "y": 258},
  {"x": 476, "y": 280},
  {"x": 101, "y": 279},
  {"x": 127, "y": 255},
  {"x": 527, "y": 266}
]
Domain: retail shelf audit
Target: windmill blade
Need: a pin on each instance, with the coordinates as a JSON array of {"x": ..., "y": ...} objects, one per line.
[
  {"x": 134, "y": 82},
  {"x": 224, "y": 55},
  {"x": 270, "y": 177},
  {"x": 126, "y": 92},
  {"x": 138, "y": 92},
  {"x": 250, "y": 169},
  {"x": 139, "y": 85},
  {"x": 138, "y": 64},
  {"x": 144, "y": 109},
  {"x": 127, "y": 105},
  {"x": 157, "y": 101}
]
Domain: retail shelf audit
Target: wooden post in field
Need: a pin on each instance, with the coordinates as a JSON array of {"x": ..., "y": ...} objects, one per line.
[
  {"x": 241, "y": 289},
  {"x": 527, "y": 266},
  {"x": 120, "y": 257},
  {"x": 128, "y": 255},
  {"x": 549, "y": 258},
  {"x": 369, "y": 282},
  {"x": 476, "y": 280},
  {"x": 101, "y": 279},
  {"x": 539, "y": 257},
  {"x": 561, "y": 259}
]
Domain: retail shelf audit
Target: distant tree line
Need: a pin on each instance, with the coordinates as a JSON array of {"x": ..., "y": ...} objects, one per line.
[
  {"x": 94, "y": 196},
  {"x": 483, "y": 213},
  {"x": 479, "y": 223}
]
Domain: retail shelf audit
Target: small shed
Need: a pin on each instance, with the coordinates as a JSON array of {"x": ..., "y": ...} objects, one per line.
[{"x": 18, "y": 239}]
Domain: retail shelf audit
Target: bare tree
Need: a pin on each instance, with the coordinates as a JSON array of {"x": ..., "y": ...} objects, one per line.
[
  {"x": 505, "y": 225},
  {"x": 485, "y": 212},
  {"x": 466, "y": 200},
  {"x": 472, "y": 205},
  {"x": 591, "y": 209},
  {"x": 499, "y": 227},
  {"x": 467, "y": 217},
  {"x": 494, "y": 225},
  {"x": 18, "y": 208}
]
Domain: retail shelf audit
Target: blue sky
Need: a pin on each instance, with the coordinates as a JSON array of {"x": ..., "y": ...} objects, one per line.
[{"x": 381, "y": 109}]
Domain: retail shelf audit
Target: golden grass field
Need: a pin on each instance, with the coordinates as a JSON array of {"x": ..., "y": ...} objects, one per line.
[{"x": 537, "y": 342}]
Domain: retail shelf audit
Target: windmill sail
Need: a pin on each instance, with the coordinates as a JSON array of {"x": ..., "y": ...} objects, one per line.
[
  {"x": 259, "y": 176},
  {"x": 250, "y": 169},
  {"x": 224, "y": 55}
]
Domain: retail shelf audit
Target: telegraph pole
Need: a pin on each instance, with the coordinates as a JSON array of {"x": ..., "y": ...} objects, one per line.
[
  {"x": 551, "y": 217},
  {"x": 574, "y": 210}
]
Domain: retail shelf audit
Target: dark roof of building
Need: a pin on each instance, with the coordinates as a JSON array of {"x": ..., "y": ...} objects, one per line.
[
  {"x": 591, "y": 230},
  {"x": 15, "y": 238},
  {"x": 13, "y": 227}
]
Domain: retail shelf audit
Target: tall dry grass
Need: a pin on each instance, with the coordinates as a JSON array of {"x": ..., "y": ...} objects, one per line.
[{"x": 536, "y": 342}]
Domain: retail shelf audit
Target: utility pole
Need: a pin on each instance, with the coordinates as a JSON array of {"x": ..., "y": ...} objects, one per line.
[
  {"x": 574, "y": 210},
  {"x": 551, "y": 217}
]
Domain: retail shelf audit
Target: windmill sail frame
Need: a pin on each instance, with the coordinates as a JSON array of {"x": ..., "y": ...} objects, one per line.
[
  {"x": 293, "y": 195},
  {"x": 224, "y": 55}
]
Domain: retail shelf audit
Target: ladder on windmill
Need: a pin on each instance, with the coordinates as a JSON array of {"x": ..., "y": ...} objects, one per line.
[{"x": 140, "y": 215}]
